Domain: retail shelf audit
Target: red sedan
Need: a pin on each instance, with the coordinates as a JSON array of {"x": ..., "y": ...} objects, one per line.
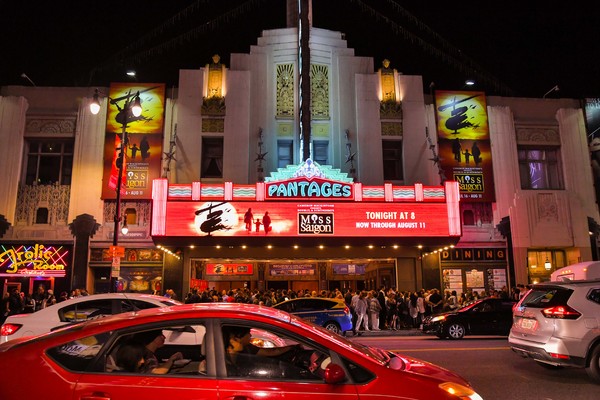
[{"x": 214, "y": 351}]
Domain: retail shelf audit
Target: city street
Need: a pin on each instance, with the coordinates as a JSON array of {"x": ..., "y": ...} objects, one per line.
[{"x": 493, "y": 369}]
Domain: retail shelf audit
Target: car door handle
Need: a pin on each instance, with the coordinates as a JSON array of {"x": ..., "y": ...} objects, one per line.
[{"x": 95, "y": 396}]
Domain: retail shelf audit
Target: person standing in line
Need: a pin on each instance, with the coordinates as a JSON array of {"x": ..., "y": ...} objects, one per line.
[
  {"x": 361, "y": 308},
  {"x": 374, "y": 310},
  {"x": 413, "y": 309},
  {"x": 421, "y": 307}
]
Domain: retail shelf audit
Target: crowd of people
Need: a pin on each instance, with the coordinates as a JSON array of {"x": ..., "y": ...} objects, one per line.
[
  {"x": 15, "y": 302},
  {"x": 386, "y": 308},
  {"x": 372, "y": 310}
]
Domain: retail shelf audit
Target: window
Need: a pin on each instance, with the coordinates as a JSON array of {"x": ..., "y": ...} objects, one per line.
[
  {"x": 539, "y": 168},
  {"x": 78, "y": 354},
  {"x": 41, "y": 215},
  {"x": 285, "y": 153},
  {"x": 257, "y": 353},
  {"x": 392, "y": 160},
  {"x": 212, "y": 157},
  {"x": 49, "y": 162},
  {"x": 321, "y": 151}
]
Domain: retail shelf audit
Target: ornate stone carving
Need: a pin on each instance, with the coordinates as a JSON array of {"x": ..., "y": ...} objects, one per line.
[
  {"x": 53, "y": 197},
  {"x": 285, "y": 91},
  {"x": 538, "y": 134},
  {"x": 390, "y": 109},
  {"x": 213, "y": 125},
  {"x": 391, "y": 128},
  {"x": 213, "y": 106},
  {"x": 142, "y": 210},
  {"x": 319, "y": 81},
  {"x": 59, "y": 126},
  {"x": 547, "y": 206}
]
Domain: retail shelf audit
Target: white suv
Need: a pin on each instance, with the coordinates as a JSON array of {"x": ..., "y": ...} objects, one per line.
[{"x": 558, "y": 325}]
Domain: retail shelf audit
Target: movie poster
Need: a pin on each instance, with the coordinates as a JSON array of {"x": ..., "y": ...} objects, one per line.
[
  {"x": 464, "y": 143},
  {"x": 143, "y": 147}
]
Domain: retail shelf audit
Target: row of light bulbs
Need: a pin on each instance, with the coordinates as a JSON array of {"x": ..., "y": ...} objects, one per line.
[
  {"x": 164, "y": 249},
  {"x": 439, "y": 250}
]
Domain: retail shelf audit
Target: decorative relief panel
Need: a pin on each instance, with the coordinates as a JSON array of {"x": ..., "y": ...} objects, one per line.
[
  {"x": 61, "y": 126},
  {"x": 213, "y": 125},
  {"x": 55, "y": 198},
  {"x": 547, "y": 207},
  {"x": 391, "y": 129},
  {"x": 213, "y": 106},
  {"x": 142, "y": 210},
  {"x": 285, "y": 129},
  {"x": 285, "y": 91},
  {"x": 319, "y": 81},
  {"x": 390, "y": 109},
  {"x": 537, "y": 134}
]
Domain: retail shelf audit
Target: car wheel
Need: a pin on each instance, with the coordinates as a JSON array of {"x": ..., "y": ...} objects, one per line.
[
  {"x": 333, "y": 327},
  {"x": 455, "y": 331},
  {"x": 593, "y": 370}
]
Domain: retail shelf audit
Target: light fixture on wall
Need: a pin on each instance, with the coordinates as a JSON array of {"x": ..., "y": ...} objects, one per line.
[{"x": 547, "y": 264}]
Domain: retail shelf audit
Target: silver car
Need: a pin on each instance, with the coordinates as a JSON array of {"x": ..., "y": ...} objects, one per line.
[{"x": 558, "y": 325}]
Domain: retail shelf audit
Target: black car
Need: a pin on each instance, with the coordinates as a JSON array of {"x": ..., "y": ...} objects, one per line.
[{"x": 489, "y": 316}]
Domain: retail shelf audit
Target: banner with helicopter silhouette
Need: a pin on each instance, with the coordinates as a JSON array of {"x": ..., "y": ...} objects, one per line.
[
  {"x": 464, "y": 151},
  {"x": 143, "y": 140}
]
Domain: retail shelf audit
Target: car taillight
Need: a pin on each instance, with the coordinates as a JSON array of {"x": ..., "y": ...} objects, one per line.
[
  {"x": 346, "y": 310},
  {"x": 9, "y": 329},
  {"x": 561, "y": 312}
]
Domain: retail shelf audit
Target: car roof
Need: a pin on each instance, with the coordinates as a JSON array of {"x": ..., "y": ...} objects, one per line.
[
  {"x": 567, "y": 283},
  {"x": 240, "y": 309},
  {"x": 312, "y": 299},
  {"x": 120, "y": 295}
]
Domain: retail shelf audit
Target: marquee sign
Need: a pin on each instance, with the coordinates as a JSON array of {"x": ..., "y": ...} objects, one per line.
[
  {"x": 302, "y": 188},
  {"x": 34, "y": 260}
]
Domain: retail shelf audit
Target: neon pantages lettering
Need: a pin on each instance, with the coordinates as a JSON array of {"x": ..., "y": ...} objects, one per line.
[
  {"x": 310, "y": 189},
  {"x": 37, "y": 256}
]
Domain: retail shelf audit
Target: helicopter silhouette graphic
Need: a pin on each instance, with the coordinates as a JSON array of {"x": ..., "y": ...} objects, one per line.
[
  {"x": 213, "y": 221},
  {"x": 458, "y": 119}
]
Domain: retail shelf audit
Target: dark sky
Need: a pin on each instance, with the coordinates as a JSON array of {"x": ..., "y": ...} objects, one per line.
[{"x": 521, "y": 48}]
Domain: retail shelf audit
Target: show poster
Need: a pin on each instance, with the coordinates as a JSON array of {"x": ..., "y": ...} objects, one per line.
[
  {"x": 464, "y": 143},
  {"x": 303, "y": 219},
  {"x": 143, "y": 147}
]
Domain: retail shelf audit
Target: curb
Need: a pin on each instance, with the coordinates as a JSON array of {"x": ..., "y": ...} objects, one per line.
[{"x": 386, "y": 332}]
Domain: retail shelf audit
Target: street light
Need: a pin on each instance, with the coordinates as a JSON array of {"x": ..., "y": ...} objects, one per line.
[{"x": 131, "y": 108}]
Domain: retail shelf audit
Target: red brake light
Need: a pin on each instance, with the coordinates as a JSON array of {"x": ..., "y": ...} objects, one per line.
[
  {"x": 9, "y": 329},
  {"x": 561, "y": 312},
  {"x": 346, "y": 310}
]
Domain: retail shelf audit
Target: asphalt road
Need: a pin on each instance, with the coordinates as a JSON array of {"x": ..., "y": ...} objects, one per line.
[{"x": 492, "y": 368}]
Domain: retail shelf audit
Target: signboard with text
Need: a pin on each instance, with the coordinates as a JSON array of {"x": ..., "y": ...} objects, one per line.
[
  {"x": 464, "y": 143},
  {"x": 302, "y": 219},
  {"x": 34, "y": 260},
  {"x": 143, "y": 149}
]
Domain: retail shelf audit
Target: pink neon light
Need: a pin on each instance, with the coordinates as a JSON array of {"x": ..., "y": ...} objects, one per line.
[{"x": 160, "y": 191}]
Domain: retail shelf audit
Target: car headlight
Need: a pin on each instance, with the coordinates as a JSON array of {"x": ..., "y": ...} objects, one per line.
[
  {"x": 460, "y": 391},
  {"x": 438, "y": 318}
]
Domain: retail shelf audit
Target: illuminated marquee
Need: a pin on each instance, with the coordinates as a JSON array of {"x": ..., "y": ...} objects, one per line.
[
  {"x": 34, "y": 260},
  {"x": 309, "y": 188}
]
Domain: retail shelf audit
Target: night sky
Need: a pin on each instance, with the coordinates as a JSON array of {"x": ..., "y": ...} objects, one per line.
[{"x": 520, "y": 48}]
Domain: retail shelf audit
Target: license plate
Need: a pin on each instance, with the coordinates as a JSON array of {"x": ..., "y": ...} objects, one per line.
[{"x": 527, "y": 323}]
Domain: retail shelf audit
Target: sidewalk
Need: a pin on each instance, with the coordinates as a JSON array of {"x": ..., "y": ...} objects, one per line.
[{"x": 387, "y": 332}]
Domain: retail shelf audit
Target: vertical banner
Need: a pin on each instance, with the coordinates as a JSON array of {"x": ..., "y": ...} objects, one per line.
[
  {"x": 464, "y": 143},
  {"x": 592, "y": 122},
  {"x": 143, "y": 145}
]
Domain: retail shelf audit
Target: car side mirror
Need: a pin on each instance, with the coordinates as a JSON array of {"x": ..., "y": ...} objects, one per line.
[{"x": 334, "y": 374}]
